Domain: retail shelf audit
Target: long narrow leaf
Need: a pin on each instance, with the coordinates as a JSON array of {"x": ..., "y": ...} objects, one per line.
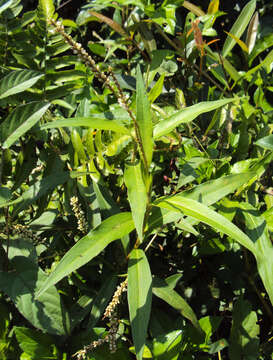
[
  {"x": 187, "y": 115},
  {"x": 18, "y": 81},
  {"x": 143, "y": 118},
  {"x": 139, "y": 298},
  {"x": 136, "y": 194},
  {"x": 89, "y": 246},
  {"x": 207, "y": 193},
  {"x": 22, "y": 119},
  {"x": 95, "y": 122},
  {"x": 239, "y": 26},
  {"x": 212, "y": 191},
  {"x": 206, "y": 215}
]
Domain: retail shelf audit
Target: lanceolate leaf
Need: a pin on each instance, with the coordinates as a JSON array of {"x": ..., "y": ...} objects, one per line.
[
  {"x": 239, "y": 26},
  {"x": 20, "y": 121},
  {"x": 212, "y": 191},
  {"x": 186, "y": 115},
  {"x": 204, "y": 214},
  {"x": 95, "y": 122},
  {"x": 144, "y": 119},
  {"x": 18, "y": 81},
  {"x": 139, "y": 298},
  {"x": 165, "y": 292},
  {"x": 207, "y": 193},
  {"x": 89, "y": 246},
  {"x": 136, "y": 194}
]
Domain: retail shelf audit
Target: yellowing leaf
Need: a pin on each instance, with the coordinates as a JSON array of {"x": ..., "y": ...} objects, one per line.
[{"x": 238, "y": 41}]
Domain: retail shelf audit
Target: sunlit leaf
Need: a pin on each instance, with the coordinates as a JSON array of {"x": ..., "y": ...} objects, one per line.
[
  {"x": 89, "y": 246},
  {"x": 144, "y": 119},
  {"x": 137, "y": 195},
  {"x": 18, "y": 81},
  {"x": 208, "y": 216},
  {"x": 94, "y": 122},
  {"x": 186, "y": 115},
  {"x": 139, "y": 298},
  {"x": 266, "y": 142},
  {"x": 239, "y": 26},
  {"x": 239, "y": 42}
]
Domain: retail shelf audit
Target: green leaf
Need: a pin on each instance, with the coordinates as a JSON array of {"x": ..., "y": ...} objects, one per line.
[
  {"x": 186, "y": 115},
  {"x": 37, "y": 190},
  {"x": 47, "y": 8},
  {"x": 137, "y": 195},
  {"x": 22, "y": 119},
  {"x": 167, "y": 346},
  {"x": 257, "y": 230},
  {"x": 204, "y": 214},
  {"x": 160, "y": 217},
  {"x": 5, "y": 5},
  {"x": 165, "y": 292},
  {"x": 207, "y": 193},
  {"x": 89, "y": 246},
  {"x": 18, "y": 81},
  {"x": 34, "y": 343},
  {"x": 244, "y": 341},
  {"x": 261, "y": 45},
  {"x": 78, "y": 145},
  {"x": 5, "y": 196},
  {"x": 156, "y": 90},
  {"x": 95, "y": 122},
  {"x": 238, "y": 41},
  {"x": 209, "y": 325},
  {"x": 23, "y": 281},
  {"x": 266, "y": 142},
  {"x": 212, "y": 191},
  {"x": 239, "y": 26},
  {"x": 139, "y": 298},
  {"x": 172, "y": 280},
  {"x": 143, "y": 118}
]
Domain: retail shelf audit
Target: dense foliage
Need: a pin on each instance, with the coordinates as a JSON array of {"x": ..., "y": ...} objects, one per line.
[{"x": 136, "y": 207}]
